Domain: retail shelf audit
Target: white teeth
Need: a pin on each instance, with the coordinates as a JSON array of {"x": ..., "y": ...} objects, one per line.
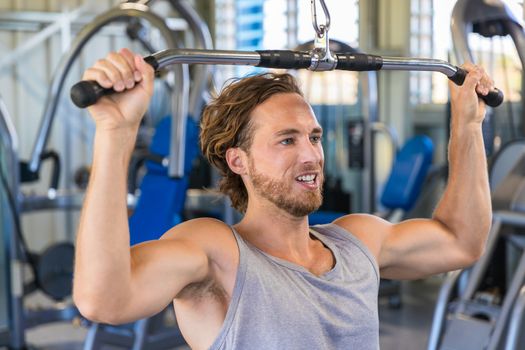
[{"x": 306, "y": 178}]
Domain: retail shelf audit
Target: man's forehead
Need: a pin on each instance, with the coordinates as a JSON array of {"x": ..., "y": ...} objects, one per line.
[{"x": 284, "y": 110}]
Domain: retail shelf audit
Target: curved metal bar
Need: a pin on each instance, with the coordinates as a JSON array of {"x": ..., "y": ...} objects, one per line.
[
  {"x": 121, "y": 12},
  {"x": 168, "y": 57},
  {"x": 419, "y": 64},
  {"x": 512, "y": 294},
  {"x": 516, "y": 323},
  {"x": 8, "y": 134},
  {"x": 460, "y": 29},
  {"x": 202, "y": 73},
  {"x": 229, "y": 57},
  {"x": 203, "y": 40},
  {"x": 178, "y": 122},
  {"x": 466, "y": 13},
  {"x": 15, "y": 274},
  {"x": 440, "y": 311},
  {"x": 494, "y": 14},
  {"x": 86, "y": 93}
]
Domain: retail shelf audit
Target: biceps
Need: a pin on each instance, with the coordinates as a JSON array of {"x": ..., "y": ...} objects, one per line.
[{"x": 418, "y": 248}]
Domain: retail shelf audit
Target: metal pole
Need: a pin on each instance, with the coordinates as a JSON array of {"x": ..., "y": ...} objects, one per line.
[
  {"x": 15, "y": 267},
  {"x": 121, "y": 12}
]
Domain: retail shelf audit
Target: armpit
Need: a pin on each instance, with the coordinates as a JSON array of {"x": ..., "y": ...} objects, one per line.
[{"x": 209, "y": 288}]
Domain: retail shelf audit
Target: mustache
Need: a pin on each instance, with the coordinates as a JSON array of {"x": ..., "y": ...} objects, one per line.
[{"x": 313, "y": 168}]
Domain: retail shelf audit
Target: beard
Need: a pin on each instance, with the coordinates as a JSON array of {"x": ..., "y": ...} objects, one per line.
[{"x": 280, "y": 193}]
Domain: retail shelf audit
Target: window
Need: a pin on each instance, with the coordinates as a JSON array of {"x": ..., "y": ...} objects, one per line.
[{"x": 430, "y": 38}]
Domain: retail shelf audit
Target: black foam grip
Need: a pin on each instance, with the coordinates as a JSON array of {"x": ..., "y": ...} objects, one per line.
[
  {"x": 459, "y": 77},
  {"x": 358, "y": 62},
  {"x": 284, "y": 59},
  {"x": 87, "y": 92},
  {"x": 493, "y": 99}
]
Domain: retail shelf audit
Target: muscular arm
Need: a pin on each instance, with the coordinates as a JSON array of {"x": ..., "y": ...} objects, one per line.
[
  {"x": 112, "y": 282},
  {"x": 456, "y": 234}
]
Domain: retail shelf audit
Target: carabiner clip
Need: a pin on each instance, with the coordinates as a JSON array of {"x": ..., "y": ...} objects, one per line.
[
  {"x": 322, "y": 58},
  {"x": 323, "y": 28}
]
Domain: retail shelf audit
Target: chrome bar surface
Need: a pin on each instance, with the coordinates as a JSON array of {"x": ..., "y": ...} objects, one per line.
[
  {"x": 122, "y": 12},
  {"x": 419, "y": 64},
  {"x": 197, "y": 56}
]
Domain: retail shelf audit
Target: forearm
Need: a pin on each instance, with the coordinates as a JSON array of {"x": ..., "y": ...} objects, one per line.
[
  {"x": 465, "y": 208},
  {"x": 103, "y": 262}
]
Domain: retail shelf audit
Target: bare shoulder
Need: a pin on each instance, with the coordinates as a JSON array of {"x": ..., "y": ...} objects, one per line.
[
  {"x": 369, "y": 229},
  {"x": 213, "y": 236}
]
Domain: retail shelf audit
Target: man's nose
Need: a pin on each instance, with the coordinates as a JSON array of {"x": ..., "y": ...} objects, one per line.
[{"x": 311, "y": 152}]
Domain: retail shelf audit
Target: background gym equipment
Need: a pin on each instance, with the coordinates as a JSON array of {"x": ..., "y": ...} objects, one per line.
[
  {"x": 485, "y": 304},
  {"x": 491, "y": 19},
  {"x": 52, "y": 269},
  {"x": 9, "y": 252},
  {"x": 161, "y": 202},
  {"x": 86, "y": 93},
  {"x": 480, "y": 299}
]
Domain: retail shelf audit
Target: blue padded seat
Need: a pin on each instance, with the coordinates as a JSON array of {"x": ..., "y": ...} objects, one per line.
[
  {"x": 408, "y": 173},
  {"x": 161, "y": 202}
]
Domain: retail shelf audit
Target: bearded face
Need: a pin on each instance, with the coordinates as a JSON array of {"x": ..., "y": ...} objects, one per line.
[{"x": 289, "y": 194}]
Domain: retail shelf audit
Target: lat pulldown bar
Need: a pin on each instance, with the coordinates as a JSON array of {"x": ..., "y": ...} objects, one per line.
[{"x": 86, "y": 93}]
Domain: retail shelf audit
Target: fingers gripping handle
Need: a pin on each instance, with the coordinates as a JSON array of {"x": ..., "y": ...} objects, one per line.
[
  {"x": 87, "y": 92},
  {"x": 493, "y": 99}
]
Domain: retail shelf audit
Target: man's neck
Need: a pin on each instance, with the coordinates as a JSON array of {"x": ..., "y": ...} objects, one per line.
[{"x": 277, "y": 233}]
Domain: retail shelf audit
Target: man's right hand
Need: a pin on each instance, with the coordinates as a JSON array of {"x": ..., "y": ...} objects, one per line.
[{"x": 132, "y": 78}]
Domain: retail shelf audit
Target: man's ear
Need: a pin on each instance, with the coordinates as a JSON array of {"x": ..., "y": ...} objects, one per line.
[{"x": 236, "y": 160}]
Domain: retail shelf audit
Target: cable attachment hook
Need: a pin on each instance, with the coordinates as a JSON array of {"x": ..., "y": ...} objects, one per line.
[
  {"x": 322, "y": 58},
  {"x": 323, "y": 28}
]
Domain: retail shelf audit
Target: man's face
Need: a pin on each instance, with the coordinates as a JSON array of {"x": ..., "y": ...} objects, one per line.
[{"x": 286, "y": 157}]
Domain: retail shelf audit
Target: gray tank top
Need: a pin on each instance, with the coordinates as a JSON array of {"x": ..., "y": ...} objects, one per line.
[{"x": 280, "y": 305}]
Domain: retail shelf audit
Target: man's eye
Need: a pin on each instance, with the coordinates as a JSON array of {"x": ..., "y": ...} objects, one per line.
[
  {"x": 315, "y": 139},
  {"x": 287, "y": 141}
]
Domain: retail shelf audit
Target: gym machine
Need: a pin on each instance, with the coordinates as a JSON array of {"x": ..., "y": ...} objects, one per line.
[
  {"x": 86, "y": 93},
  {"x": 62, "y": 254},
  {"x": 487, "y": 300},
  {"x": 489, "y": 19},
  {"x": 490, "y": 304},
  {"x": 9, "y": 308}
]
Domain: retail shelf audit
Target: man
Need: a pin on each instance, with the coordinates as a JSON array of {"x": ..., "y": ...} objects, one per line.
[{"x": 270, "y": 281}]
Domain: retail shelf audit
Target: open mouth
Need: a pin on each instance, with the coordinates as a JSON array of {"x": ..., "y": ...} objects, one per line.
[{"x": 308, "y": 179}]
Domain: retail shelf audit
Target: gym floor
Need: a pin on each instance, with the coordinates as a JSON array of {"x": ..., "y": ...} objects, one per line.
[{"x": 406, "y": 328}]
